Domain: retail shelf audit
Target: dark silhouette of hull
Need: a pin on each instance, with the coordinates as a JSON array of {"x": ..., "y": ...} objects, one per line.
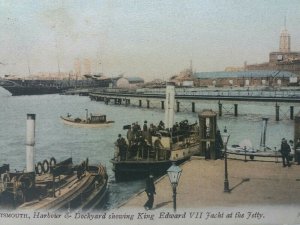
[{"x": 41, "y": 87}]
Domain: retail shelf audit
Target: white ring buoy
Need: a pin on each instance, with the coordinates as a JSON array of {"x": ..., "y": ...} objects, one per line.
[
  {"x": 39, "y": 168},
  {"x": 52, "y": 161},
  {"x": 5, "y": 180},
  {"x": 46, "y": 166}
]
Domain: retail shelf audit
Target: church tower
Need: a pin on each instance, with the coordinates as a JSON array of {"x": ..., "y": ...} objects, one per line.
[{"x": 285, "y": 40}]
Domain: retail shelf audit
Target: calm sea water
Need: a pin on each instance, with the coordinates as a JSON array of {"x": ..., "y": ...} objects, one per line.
[{"x": 53, "y": 138}]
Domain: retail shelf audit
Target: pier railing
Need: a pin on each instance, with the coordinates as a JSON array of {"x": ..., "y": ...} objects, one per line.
[{"x": 292, "y": 95}]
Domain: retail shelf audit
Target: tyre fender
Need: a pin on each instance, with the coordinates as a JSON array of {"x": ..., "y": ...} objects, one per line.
[
  {"x": 26, "y": 181},
  {"x": 39, "y": 168},
  {"x": 52, "y": 161},
  {"x": 46, "y": 166},
  {"x": 5, "y": 180}
]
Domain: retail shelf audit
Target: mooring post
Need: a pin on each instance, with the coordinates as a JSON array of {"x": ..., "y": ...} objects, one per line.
[
  {"x": 277, "y": 111},
  {"x": 193, "y": 106},
  {"x": 140, "y": 103},
  {"x": 178, "y": 106},
  {"x": 220, "y": 108},
  {"x": 235, "y": 109},
  {"x": 291, "y": 112},
  {"x": 148, "y": 104},
  {"x": 162, "y": 105}
]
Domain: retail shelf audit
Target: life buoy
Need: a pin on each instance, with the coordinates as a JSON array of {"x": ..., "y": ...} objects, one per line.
[
  {"x": 26, "y": 181},
  {"x": 5, "y": 180},
  {"x": 39, "y": 168},
  {"x": 46, "y": 166},
  {"x": 52, "y": 161}
]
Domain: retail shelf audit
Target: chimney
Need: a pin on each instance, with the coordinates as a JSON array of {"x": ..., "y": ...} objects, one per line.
[
  {"x": 30, "y": 142},
  {"x": 170, "y": 102}
]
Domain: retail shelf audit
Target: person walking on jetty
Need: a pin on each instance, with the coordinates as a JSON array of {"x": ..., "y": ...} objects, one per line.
[
  {"x": 150, "y": 191},
  {"x": 285, "y": 152}
]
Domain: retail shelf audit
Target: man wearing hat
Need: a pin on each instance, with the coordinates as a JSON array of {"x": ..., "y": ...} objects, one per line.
[
  {"x": 285, "y": 152},
  {"x": 122, "y": 145},
  {"x": 150, "y": 190}
]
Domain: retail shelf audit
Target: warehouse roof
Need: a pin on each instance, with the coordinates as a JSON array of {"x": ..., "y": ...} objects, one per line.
[{"x": 253, "y": 73}]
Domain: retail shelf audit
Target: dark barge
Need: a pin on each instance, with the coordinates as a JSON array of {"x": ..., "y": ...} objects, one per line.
[
  {"x": 53, "y": 187},
  {"x": 50, "y": 185}
]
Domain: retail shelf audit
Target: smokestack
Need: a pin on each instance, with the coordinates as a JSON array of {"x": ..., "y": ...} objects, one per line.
[
  {"x": 170, "y": 102},
  {"x": 30, "y": 142},
  {"x": 263, "y": 134}
]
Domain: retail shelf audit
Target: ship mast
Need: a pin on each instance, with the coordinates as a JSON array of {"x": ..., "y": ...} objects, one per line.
[{"x": 57, "y": 57}]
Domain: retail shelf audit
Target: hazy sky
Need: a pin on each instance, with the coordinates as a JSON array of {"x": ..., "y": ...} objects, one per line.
[{"x": 150, "y": 39}]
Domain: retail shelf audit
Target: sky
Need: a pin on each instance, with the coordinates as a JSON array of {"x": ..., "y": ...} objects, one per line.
[{"x": 149, "y": 39}]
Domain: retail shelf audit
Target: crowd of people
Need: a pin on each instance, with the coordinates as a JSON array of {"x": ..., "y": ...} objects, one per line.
[{"x": 140, "y": 143}]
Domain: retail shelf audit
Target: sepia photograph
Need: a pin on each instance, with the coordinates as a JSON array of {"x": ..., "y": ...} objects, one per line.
[{"x": 150, "y": 112}]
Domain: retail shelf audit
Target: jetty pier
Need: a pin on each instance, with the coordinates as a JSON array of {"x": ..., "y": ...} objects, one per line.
[{"x": 188, "y": 99}]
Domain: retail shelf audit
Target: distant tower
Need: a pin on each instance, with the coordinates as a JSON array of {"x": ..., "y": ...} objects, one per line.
[{"x": 285, "y": 40}]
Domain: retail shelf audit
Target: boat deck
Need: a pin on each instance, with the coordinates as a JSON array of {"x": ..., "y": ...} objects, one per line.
[{"x": 69, "y": 190}]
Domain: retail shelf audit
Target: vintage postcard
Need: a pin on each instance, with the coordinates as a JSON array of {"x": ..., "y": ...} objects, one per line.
[{"x": 149, "y": 112}]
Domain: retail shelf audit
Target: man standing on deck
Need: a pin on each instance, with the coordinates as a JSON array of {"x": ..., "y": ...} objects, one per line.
[
  {"x": 285, "y": 152},
  {"x": 158, "y": 147},
  {"x": 121, "y": 143},
  {"x": 150, "y": 190}
]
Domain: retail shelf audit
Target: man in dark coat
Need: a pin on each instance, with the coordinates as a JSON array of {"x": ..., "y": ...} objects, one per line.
[
  {"x": 122, "y": 145},
  {"x": 150, "y": 190},
  {"x": 285, "y": 152}
]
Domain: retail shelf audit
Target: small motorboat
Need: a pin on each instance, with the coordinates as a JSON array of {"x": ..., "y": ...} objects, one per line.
[{"x": 94, "y": 120}]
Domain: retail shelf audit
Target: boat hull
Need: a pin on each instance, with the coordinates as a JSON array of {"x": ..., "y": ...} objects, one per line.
[
  {"x": 71, "y": 122},
  {"x": 48, "y": 86},
  {"x": 71, "y": 192},
  {"x": 17, "y": 91},
  {"x": 139, "y": 169}
]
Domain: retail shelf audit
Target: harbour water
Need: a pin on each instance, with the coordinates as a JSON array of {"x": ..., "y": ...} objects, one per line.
[{"x": 53, "y": 138}]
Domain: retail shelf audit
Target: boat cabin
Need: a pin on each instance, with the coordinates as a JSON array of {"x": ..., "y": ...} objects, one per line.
[{"x": 97, "y": 118}]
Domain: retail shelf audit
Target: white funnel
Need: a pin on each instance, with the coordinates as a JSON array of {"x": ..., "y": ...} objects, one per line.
[
  {"x": 30, "y": 142},
  {"x": 263, "y": 134},
  {"x": 169, "y": 107}
]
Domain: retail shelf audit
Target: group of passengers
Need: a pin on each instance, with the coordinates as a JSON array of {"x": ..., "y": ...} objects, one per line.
[{"x": 139, "y": 143}]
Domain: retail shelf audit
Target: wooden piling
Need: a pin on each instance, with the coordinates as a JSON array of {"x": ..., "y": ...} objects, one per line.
[
  {"x": 193, "y": 106},
  {"x": 162, "y": 105},
  {"x": 277, "y": 112},
  {"x": 235, "y": 109},
  {"x": 148, "y": 104},
  {"x": 220, "y": 108},
  {"x": 291, "y": 112}
]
